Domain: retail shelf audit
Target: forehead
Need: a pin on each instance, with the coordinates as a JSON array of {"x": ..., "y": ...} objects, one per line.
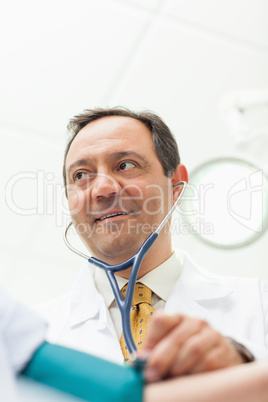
[{"x": 110, "y": 134}]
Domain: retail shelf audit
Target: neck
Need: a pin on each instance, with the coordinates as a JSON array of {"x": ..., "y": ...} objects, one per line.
[{"x": 158, "y": 253}]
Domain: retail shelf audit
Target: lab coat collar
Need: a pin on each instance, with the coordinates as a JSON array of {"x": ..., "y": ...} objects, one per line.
[
  {"x": 86, "y": 301},
  {"x": 197, "y": 289},
  {"x": 200, "y": 283}
]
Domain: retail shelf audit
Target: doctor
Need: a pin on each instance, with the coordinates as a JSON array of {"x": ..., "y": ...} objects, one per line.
[{"x": 120, "y": 169}]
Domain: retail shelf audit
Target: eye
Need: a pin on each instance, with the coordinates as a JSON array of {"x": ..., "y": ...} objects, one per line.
[
  {"x": 126, "y": 165},
  {"x": 80, "y": 176}
]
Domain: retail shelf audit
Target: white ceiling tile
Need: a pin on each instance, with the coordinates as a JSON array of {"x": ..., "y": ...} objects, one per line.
[
  {"x": 5, "y": 257},
  {"x": 183, "y": 75},
  {"x": 243, "y": 19},
  {"x": 145, "y": 4},
  {"x": 30, "y": 169},
  {"x": 61, "y": 57}
]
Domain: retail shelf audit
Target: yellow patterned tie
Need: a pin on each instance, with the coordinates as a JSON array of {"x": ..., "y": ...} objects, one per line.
[{"x": 140, "y": 316}]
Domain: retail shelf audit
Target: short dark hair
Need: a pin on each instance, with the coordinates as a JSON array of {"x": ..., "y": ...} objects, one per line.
[{"x": 164, "y": 142}]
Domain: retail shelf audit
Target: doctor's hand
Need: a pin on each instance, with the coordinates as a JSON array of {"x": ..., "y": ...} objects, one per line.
[{"x": 178, "y": 345}]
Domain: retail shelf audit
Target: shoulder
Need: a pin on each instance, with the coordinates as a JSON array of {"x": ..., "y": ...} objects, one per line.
[
  {"x": 61, "y": 307},
  {"x": 53, "y": 307},
  {"x": 191, "y": 270}
]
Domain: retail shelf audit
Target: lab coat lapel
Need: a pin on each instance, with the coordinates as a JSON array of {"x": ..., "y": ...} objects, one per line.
[
  {"x": 88, "y": 309},
  {"x": 196, "y": 291},
  {"x": 85, "y": 299}
]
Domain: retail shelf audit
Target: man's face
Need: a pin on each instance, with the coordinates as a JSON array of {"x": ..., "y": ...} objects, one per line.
[{"x": 117, "y": 190}]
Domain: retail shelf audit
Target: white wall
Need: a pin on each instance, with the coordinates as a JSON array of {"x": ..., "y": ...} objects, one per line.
[{"x": 175, "y": 57}]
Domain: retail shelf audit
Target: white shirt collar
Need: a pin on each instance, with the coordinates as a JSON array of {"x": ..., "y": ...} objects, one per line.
[{"x": 160, "y": 280}]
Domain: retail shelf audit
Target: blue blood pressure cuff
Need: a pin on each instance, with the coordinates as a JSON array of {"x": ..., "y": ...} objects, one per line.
[{"x": 85, "y": 376}]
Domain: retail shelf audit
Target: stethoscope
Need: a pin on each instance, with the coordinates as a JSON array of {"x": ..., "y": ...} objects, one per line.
[{"x": 135, "y": 261}]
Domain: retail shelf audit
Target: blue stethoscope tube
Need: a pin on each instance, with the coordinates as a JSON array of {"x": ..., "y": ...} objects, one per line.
[
  {"x": 126, "y": 304},
  {"x": 135, "y": 261}
]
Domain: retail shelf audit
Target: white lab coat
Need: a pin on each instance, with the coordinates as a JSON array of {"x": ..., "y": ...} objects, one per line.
[{"x": 236, "y": 307}]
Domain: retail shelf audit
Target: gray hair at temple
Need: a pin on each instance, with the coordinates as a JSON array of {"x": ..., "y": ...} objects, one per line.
[{"x": 164, "y": 142}]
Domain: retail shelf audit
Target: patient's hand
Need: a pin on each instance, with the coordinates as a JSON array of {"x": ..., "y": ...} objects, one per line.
[{"x": 178, "y": 345}]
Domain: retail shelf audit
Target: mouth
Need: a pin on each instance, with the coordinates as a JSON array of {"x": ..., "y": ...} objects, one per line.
[{"x": 112, "y": 215}]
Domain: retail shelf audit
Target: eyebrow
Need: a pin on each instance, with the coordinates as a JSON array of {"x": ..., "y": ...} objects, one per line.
[
  {"x": 77, "y": 163},
  {"x": 123, "y": 154},
  {"x": 114, "y": 156}
]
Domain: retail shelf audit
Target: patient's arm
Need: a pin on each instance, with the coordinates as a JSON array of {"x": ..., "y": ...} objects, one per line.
[
  {"x": 88, "y": 377},
  {"x": 245, "y": 383},
  {"x": 94, "y": 379}
]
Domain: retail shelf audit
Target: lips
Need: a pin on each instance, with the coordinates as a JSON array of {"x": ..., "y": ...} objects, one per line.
[{"x": 112, "y": 214}]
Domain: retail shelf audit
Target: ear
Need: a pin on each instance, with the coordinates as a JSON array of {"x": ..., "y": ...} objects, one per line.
[{"x": 180, "y": 174}]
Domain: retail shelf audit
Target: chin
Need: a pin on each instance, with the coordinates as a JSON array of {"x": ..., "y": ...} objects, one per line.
[{"x": 118, "y": 250}]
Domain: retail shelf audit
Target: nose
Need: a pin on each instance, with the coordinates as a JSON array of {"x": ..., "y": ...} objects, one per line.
[{"x": 104, "y": 186}]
